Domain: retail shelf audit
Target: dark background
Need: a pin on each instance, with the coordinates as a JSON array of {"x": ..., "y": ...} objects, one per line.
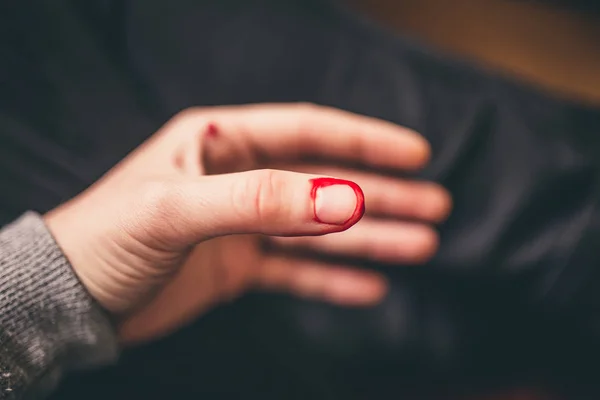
[{"x": 84, "y": 83}]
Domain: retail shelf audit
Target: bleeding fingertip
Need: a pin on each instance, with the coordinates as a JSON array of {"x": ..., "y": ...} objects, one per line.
[{"x": 337, "y": 202}]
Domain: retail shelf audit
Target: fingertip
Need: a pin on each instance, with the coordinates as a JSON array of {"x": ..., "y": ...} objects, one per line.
[
  {"x": 422, "y": 150},
  {"x": 408, "y": 149},
  {"x": 425, "y": 247},
  {"x": 447, "y": 204},
  {"x": 337, "y": 202},
  {"x": 438, "y": 203},
  {"x": 361, "y": 289}
]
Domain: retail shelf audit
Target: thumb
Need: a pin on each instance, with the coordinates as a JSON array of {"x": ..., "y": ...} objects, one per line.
[{"x": 271, "y": 202}]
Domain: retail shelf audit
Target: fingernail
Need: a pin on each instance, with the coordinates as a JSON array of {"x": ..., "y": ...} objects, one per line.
[{"x": 337, "y": 201}]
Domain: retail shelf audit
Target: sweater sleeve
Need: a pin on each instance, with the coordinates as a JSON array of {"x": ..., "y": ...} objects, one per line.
[{"x": 49, "y": 324}]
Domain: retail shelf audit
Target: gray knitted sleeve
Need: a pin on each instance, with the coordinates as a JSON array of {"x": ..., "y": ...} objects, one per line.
[{"x": 49, "y": 324}]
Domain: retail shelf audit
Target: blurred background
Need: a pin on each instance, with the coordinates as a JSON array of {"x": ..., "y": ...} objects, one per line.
[
  {"x": 499, "y": 87},
  {"x": 554, "y": 44}
]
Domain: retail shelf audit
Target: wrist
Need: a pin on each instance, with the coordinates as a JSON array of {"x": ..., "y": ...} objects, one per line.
[{"x": 50, "y": 322}]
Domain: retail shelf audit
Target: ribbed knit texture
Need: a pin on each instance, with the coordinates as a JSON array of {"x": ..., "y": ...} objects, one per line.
[{"x": 49, "y": 324}]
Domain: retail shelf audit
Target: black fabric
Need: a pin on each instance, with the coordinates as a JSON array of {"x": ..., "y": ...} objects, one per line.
[
  {"x": 511, "y": 297},
  {"x": 586, "y": 6}
]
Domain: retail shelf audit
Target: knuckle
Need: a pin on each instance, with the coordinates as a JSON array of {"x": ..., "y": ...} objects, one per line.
[
  {"x": 188, "y": 113},
  {"x": 192, "y": 116},
  {"x": 264, "y": 191},
  {"x": 175, "y": 128}
]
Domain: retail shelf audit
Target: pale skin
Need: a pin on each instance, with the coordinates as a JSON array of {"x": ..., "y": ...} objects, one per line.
[{"x": 179, "y": 225}]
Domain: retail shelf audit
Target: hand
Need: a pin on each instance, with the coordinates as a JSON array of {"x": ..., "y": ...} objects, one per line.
[{"x": 179, "y": 225}]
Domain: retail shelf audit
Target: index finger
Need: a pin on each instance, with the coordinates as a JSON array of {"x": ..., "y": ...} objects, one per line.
[{"x": 284, "y": 131}]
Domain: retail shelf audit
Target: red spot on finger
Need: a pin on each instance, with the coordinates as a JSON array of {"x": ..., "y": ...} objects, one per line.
[{"x": 212, "y": 131}]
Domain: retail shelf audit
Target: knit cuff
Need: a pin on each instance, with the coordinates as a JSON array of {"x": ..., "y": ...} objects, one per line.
[{"x": 49, "y": 324}]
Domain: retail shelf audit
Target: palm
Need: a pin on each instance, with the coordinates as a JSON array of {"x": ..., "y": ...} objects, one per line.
[
  {"x": 217, "y": 270},
  {"x": 234, "y": 266}
]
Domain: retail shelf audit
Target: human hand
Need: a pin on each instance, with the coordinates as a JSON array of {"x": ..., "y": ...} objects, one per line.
[{"x": 178, "y": 226}]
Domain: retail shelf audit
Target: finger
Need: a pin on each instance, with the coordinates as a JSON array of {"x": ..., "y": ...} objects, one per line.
[
  {"x": 188, "y": 158},
  {"x": 388, "y": 196},
  {"x": 269, "y": 202},
  {"x": 250, "y": 133},
  {"x": 310, "y": 279},
  {"x": 374, "y": 240},
  {"x": 176, "y": 147}
]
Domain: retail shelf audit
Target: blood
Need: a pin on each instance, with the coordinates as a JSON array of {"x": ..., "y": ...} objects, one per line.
[
  {"x": 212, "y": 130},
  {"x": 359, "y": 210}
]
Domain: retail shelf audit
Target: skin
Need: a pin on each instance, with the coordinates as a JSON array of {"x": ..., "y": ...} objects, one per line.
[{"x": 179, "y": 226}]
